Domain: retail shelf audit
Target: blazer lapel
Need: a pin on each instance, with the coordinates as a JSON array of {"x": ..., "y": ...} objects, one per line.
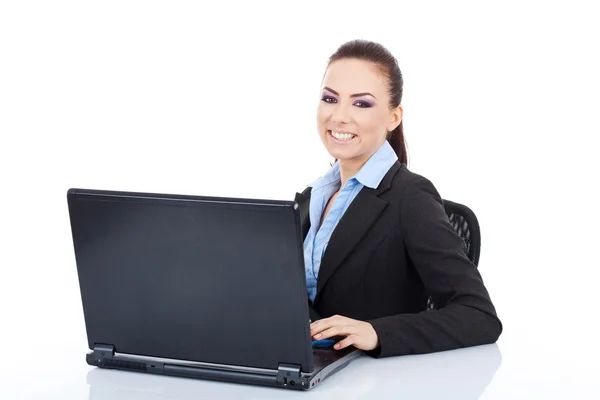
[
  {"x": 303, "y": 200},
  {"x": 352, "y": 227}
]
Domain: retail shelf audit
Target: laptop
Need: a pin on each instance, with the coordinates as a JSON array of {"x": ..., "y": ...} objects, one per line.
[{"x": 197, "y": 286}]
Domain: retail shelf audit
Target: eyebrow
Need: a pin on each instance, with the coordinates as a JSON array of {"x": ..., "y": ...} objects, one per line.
[{"x": 352, "y": 95}]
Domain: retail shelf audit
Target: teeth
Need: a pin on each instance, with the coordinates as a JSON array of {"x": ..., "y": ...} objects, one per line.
[{"x": 342, "y": 136}]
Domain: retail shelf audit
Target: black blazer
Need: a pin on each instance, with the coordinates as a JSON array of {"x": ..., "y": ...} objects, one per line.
[{"x": 392, "y": 249}]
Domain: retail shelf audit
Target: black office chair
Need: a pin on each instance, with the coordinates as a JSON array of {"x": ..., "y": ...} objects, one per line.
[{"x": 465, "y": 224}]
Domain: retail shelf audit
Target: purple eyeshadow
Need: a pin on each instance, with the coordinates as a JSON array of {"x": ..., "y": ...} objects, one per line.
[
  {"x": 367, "y": 102},
  {"x": 326, "y": 96}
]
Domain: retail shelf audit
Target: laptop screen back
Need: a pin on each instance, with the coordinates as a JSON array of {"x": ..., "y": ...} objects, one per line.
[{"x": 194, "y": 278}]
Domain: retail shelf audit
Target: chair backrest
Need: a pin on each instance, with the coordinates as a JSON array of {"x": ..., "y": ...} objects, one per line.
[{"x": 465, "y": 224}]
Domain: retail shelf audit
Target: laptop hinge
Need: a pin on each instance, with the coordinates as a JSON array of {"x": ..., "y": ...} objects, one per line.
[
  {"x": 100, "y": 353},
  {"x": 289, "y": 374}
]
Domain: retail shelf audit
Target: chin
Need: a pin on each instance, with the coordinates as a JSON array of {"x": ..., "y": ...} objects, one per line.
[
  {"x": 341, "y": 155},
  {"x": 340, "y": 152}
]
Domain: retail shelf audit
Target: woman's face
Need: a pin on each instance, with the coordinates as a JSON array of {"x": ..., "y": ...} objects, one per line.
[{"x": 354, "y": 114}]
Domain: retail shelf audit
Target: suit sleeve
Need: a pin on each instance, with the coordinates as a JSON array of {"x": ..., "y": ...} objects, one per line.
[{"x": 465, "y": 315}]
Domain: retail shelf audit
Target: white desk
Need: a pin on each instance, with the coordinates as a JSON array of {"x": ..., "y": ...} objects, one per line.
[{"x": 480, "y": 372}]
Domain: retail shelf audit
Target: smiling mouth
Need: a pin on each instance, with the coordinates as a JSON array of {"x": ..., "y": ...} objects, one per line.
[{"x": 341, "y": 136}]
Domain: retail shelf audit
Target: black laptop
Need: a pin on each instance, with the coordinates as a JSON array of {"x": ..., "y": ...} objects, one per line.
[{"x": 196, "y": 286}]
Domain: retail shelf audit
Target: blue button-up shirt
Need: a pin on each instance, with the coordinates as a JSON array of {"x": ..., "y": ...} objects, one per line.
[{"x": 316, "y": 240}]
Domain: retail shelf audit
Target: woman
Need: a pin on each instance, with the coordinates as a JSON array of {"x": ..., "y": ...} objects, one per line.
[{"x": 378, "y": 242}]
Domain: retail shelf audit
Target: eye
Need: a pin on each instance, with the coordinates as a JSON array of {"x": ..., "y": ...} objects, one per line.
[
  {"x": 362, "y": 104},
  {"x": 328, "y": 99}
]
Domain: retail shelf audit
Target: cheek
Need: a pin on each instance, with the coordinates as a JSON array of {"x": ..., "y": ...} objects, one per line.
[
  {"x": 371, "y": 123},
  {"x": 323, "y": 115}
]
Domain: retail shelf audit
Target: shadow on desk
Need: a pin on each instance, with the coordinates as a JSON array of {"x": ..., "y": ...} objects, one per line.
[{"x": 459, "y": 374}]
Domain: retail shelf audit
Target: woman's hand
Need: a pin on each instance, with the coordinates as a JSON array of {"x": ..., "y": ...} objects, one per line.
[{"x": 358, "y": 333}]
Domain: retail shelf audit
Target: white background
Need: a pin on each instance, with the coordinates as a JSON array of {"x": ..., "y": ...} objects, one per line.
[{"x": 219, "y": 98}]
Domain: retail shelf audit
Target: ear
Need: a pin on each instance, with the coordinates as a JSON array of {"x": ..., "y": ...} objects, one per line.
[{"x": 395, "y": 118}]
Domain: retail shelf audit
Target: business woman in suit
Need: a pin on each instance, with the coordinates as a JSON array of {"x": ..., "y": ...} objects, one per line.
[{"x": 378, "y": 242}]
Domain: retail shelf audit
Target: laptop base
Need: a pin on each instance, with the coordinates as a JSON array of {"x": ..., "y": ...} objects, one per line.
[{"x": 287, "y": 376}]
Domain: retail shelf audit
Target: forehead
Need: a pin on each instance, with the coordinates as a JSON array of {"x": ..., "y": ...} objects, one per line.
[{"x": 350, "y": 76}]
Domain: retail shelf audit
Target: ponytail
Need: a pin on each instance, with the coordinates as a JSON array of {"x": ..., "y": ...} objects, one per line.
[{"x": 396, "y": 140}]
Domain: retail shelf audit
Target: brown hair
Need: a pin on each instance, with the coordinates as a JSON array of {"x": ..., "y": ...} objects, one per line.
[{"x": 388, "y": 66}]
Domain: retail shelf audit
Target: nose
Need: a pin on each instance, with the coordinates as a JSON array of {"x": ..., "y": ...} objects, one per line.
[{"x": 340, "y": 114}]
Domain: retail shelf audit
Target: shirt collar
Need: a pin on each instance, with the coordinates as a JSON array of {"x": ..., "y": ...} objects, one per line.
[
  {"x": 377, "y": 166},
  {"x": 369, "y": 175}
]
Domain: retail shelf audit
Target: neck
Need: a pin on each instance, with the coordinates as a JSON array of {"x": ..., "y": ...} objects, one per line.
[{"x": 349, "y": 168}]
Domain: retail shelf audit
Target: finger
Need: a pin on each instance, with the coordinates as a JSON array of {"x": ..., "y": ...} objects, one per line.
[
  {"x": 318, "y": 331},
  {"x": 329, "y": 320},
  {"x": 343, "y": 330},
  {"x": 322, "y": 324},
  {"x": 327, "y": 333},
  {"x": 342, "y": 344}
]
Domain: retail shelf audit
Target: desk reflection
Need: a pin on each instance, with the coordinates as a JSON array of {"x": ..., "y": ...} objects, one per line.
[{"x": 460, "y": 374}]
